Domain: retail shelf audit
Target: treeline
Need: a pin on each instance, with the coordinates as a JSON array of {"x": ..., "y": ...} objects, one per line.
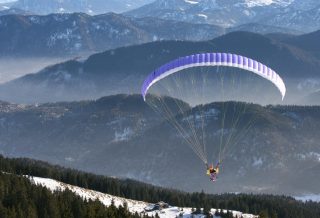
[
  {"x": 265, "y": 205},
  {"x": 21, "y": 199},
  {"x": 309, "y": 109}
]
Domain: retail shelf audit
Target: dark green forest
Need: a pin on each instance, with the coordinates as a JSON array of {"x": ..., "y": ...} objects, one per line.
[
  {"x": 21, "y": 199},
  {"x": 264, "y": 205}
]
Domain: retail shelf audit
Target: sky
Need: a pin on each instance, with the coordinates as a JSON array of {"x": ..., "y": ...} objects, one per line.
[{"x": 6, "y": 1}]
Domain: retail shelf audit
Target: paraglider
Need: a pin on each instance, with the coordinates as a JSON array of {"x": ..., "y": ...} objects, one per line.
[
  {"x": 213, "y": 172},
  {"x": 191, "y": 122}
]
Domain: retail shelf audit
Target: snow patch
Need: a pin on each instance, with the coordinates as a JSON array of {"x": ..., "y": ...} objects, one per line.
[
  {"x": 96, "y": 26},
  {"x": 187, "y": 213},
  {"x": 191, "y": 2},
  {"x": 309, "y": 156},
  {"x": 34, "y": 19},
  {"x": 259, "y": 3},
  {"x": 53, "y": 185},
  {"x": 203, "y": 15},
  {"x": 257, "y": 162},
  {"x": 61, "y": 76},
  {"x": 203, "y": 116},
  {"x": 124, "y": 135},
  {"x": 133, "y": 205},
  {"x": 212, "y": 113},
  {"x": 65, "y": 35},
  {"x": 69, "y": 159},
  {"x": 293, "y": 116},
  {"x": 315, "y": 155},
  {"x": 78, "y": 46},
  {"x": 61, "y": 10},
  {"x": 256, "y": 3}
]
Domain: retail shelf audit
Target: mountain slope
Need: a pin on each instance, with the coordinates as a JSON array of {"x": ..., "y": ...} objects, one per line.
[
  {"x": 133, "y": 206},
  {"x": 108, "y": 135},
  {"x": 232, "y": 12},
  {"x": 263, "y": 29},
  {"x": 305, "y": 20},
  {"x": 23, "y": 199},
  {"x": 123, "y": 70},
  {"x": 308, "y": 42},
  {"x": 22, "y": 191},
  {"x": 76, "y": 34},
  {"x": 71, "y": 6},
  {"x": 283, "y": 13},
  {"x": 86, "y": 194}
]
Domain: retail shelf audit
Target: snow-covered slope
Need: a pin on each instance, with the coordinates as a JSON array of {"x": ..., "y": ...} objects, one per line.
[
  {"x": 53, "y": 185},
  {"x": 308, "y": 20},
  {"x": 230, "y": 13},
  {"x": 133, "y": 206},
  {"x": 70, "y": 6}
]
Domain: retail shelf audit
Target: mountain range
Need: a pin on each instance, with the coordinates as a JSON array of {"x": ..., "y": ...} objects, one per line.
[
  {"x": 294, "y": 14},
  {"x": 80, "y": 34},
  {"x": 122, "y": 136},
  {"x": 303, "y": 16},
  {"x": 70, "y": 6},
  {"x": 76, "y": 34},
  {"x": 123, "y": 70}
]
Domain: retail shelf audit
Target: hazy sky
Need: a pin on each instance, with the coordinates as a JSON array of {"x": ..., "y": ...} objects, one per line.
[{"x": 5, "y": 1}]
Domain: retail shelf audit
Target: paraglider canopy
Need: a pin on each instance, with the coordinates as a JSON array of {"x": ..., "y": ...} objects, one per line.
[{"x": 214, "y": 59}]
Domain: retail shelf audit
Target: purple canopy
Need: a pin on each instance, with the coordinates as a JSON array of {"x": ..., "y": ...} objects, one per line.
[{"x": 213, "y": 59}]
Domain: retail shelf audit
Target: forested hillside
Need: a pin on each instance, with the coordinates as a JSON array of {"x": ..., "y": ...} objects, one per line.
[
  {"x": 265, "y": 205},
  {"x": 107, "y": 135},
  {"x": 20, "y": 199}
]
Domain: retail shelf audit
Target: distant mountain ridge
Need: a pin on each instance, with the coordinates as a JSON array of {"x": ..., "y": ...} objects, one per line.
[
  {"x": 295, "y": 14},
  {"x": 71, "y": 6},
  {"x": 291, "y": 14},
  {"x": 80, "y": 34},
  {"x": 123, "y": 70},
  {"x": 75, "y": 34}
]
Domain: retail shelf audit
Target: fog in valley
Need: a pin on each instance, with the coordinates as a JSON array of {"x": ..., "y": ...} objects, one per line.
[{"x": 13, "y": 68}]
